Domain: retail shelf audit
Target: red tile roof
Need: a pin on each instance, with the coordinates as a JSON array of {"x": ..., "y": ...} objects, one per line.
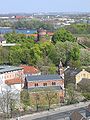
[
  {"x": 33, "y": 35},
  {"x": 30, "y": 69},
  {"x": 50, "y": 33},
  {"x": 19, "y": 17},
  {"x": 13, "y": 81}
]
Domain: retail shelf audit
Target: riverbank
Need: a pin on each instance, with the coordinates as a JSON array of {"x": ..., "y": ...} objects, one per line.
[{"x": 4, "y": 30}]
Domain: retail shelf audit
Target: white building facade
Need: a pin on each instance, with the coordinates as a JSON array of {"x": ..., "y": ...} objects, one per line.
[{"x": 11, "y": 77}]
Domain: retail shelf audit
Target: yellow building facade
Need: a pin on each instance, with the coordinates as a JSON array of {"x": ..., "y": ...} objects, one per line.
[{"x": 81, "y": 75}]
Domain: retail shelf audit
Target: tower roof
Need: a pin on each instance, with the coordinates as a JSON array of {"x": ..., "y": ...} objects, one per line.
[{"x": 60, "y": 65}]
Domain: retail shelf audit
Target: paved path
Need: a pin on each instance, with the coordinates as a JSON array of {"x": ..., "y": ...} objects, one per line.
[{"x": 37, "y": 116}]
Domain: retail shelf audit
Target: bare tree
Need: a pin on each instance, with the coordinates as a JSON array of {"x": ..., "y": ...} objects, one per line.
[
  {"x": 7, "y": 102},
  {"x": 37, "y": 97},
  {"x": 50, "y": 95}
]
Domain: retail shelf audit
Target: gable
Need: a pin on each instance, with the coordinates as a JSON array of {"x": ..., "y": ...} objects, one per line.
[{"x": 81, "y": 75}]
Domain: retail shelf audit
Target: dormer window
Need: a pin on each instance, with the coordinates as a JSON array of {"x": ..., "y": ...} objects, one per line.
[{"x": 84, "y": 75}]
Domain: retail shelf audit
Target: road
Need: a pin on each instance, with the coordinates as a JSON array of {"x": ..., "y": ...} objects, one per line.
[
  {"x": 61, "y": 113},
  {"x": 57, "y": 116},
  {"x": 60, "y": 116}
]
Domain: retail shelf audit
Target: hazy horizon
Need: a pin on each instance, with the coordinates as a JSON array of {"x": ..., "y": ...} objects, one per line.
[{"x": 33, "y": 6}]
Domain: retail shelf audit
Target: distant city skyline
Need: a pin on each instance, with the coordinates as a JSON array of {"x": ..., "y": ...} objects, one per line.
[{"x": 31, "y": 6}]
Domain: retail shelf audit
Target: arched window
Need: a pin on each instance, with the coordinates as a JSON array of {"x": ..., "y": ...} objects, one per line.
[
  {"x": 53, "y": 83},
  {"x": 36, "y": 84},
  {"x": 44, "y": 84}
]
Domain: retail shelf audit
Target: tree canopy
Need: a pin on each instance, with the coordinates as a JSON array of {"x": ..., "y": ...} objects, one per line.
[{"x": 63, "y": 35}]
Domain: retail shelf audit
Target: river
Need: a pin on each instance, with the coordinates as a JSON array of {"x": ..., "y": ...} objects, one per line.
[{"x": 20, "y": 31}]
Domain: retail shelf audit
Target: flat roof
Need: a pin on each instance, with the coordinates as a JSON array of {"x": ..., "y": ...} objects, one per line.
[
  {"x": 7, "y": 68},
  {"x": 43, "y": 77}
]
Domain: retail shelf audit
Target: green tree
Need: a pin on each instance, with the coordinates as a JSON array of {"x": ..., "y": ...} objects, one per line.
[
  {"x": 60, "y": 52},
  {"x": 82, "y": 28},
  {"x": 52, "y": 69},
  {"x": 71, "y": 94},
  {"x": 75, "y": 52},
  {"x": 15, "y": 55},
  {"x": 25, "y": 98},
  {"x": 85, "y": 57},
  {"x": 4, "y": 55},
  {"x": 84, "y": 88},
  {"x": 75, "y": 56},
  {"x": 36, "y": 54},
  {"x": 63, "y": 35},
  {"x": 25, "y": 56},
  {"x": 72, "y": 54},
  {"x": 18, "y": 38},
  {"x": 33, "y": 24}
]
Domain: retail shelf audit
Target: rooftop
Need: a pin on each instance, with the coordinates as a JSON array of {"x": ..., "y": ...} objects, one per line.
[
  {"x": 72, "y": 71},
  {"x": 77, "y": 116},
  {"x": 88, "y": 108},
  {"x": 14, "y": 81},
  {"x": 84, "y": 81},
  {"x": 2, "y": 39},
  {"x": 6, "y": 68},
  {"x": 43, "y": 77},
  {"x": 30, "y": 69}
]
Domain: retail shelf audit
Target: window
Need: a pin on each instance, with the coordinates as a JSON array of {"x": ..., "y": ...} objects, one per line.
[
  {"x": 36, "y": 84},
  {"x": 53, "y": 83},
  {"x": 44, "y": 84},
  {"x": 84, "y": 75}
]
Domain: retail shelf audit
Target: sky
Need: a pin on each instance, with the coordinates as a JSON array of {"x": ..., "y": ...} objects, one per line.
[{"x": 30, "y": 6}]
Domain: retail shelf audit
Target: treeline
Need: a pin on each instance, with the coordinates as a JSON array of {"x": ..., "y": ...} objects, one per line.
[
  {"x": 5, "y": 23},
  {"x": 33, "y": 24},
  {"x": 27, "y": 24},
  {"x": 78, "y": 28}
]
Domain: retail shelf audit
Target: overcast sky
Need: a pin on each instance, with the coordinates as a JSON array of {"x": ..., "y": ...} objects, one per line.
[{"x": 29, "y": 6}]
